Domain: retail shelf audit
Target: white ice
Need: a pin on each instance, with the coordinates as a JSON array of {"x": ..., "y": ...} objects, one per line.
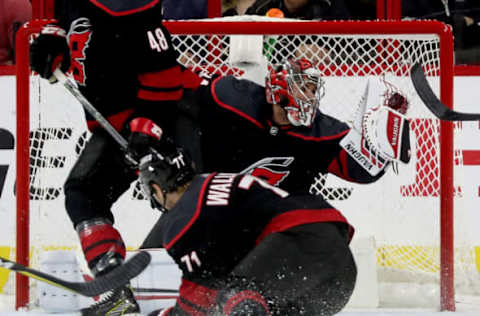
[{"x": 468, "y": 306}]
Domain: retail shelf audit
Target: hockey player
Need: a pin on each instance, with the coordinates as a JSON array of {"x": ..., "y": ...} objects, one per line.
[
  {"x": 122, "y": 59},
  {"x": 246, "y": 247},
  {"x": 277, "y": 133}
]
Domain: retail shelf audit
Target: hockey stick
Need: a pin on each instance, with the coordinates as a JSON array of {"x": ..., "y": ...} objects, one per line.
[
  {"x": 431, "y": 101},
  {"x": 112, "y": 280},
  {"x": 72, "y": 88}
]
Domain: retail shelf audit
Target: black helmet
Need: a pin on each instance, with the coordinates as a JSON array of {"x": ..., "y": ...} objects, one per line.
[{"x": 168, "y": 171}]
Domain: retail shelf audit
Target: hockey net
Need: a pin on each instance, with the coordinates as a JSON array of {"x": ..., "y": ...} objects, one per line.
[{"x": 409, "y": 215}]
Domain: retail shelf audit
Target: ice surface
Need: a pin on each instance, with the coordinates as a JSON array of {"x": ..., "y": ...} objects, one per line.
[{"x": 467, "y": 306}]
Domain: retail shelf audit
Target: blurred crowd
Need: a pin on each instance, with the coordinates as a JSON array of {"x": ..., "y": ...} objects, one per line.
[
  {"x": 13, "y": 13},
  {"x": 462, "y": 15}
]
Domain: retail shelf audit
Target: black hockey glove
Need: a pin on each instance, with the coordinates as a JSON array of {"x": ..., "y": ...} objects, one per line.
[
  {"x": 49, "y": 51},
  {"x": 145, "y": 135}
]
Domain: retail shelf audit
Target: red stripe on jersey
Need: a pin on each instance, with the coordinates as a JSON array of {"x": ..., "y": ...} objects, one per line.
[
  {"x": 145, "y": 126},
  {"x": 195, "y": 216},
  {"x": 231, "y": 108},
  {"x": 339, "y": 166},
  {"x": 191, "y": 80},
  {"x": 169, "y": 78},
  {"x": 117, "y": 120},
  {"x": 199, "y": 295},
  {"x": 281, "y": 127},
  {"x": 160, "y": 95},
  {"x": 294, "y": 218},
  {"x": 321, "y": 138}
]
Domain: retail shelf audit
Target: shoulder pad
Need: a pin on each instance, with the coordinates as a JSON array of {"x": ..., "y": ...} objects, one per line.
[
  {"x": 242, "y": 97},
  {"x": 124, "y": 7}
]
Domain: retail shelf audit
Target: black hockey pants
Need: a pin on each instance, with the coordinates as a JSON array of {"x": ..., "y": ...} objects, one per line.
[
  {"x": 306, "y": 270},
  {"x": 98, "y": 178}
]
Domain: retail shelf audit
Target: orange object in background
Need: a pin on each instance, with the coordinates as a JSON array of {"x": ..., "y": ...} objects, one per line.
[{"x": 275, "y": 13}]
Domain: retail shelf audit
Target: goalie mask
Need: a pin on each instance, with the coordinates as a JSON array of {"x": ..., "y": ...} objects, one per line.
[
  {"x": 167, "y": 171},
  {"x": 297, "y": 87}
]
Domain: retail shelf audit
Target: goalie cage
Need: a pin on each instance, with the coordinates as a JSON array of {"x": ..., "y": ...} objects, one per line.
[{"x": 409, "y": 215}]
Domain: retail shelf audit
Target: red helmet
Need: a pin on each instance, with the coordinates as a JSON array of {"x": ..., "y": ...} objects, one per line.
[{"x": 296, "y": 86}]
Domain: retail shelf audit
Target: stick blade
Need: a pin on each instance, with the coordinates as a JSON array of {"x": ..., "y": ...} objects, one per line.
[
  {"x": 432, "y": 102},
  {"x": 116, "y": 278},
  {"x": 428, "y": 97}
]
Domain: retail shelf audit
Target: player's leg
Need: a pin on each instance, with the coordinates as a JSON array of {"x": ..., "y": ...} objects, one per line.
[
  {"x": 334, "y": 288},
  {"x": 99, "y": 176},
  {"x": 96, "y": 181},
  {"x": 301, "y": 266}
]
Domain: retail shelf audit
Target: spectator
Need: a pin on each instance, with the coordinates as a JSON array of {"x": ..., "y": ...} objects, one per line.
[
  {"x": 235, "y": 7},
  {"x": 428, "y": 9},
  {"x": 306, "y": 10},
  {"x": 185, "y": 9},
  {"x": 362, "y": 9},
  {"x": 466, "y": 29},
  {"x": 466, "y": 23},
  {"x": 303, "y": 9},
  {"x": 463, "y": 15},
  {"x": 13, "y": 13}
]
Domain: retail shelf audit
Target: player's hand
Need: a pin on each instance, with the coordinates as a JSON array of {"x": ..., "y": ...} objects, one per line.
[
  {"x": 145, "y": 135},
  {"x": 49, "y": 51}
]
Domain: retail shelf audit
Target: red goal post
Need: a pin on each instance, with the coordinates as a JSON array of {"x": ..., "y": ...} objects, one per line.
[{"x": 207, "y": 43}]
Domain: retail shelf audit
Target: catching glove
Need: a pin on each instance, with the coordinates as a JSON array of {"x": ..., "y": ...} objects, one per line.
[{"x": 49, "y": 51}]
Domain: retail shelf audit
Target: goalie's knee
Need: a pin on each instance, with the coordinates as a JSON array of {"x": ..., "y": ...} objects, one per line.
[{"x": 238, "y": 302}]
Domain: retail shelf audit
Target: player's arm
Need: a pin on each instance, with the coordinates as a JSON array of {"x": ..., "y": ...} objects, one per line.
[
  {"x": 159, "y": 76},
  {"x": 152, "y": 58},
  {"x": 346, "y": 167}
]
